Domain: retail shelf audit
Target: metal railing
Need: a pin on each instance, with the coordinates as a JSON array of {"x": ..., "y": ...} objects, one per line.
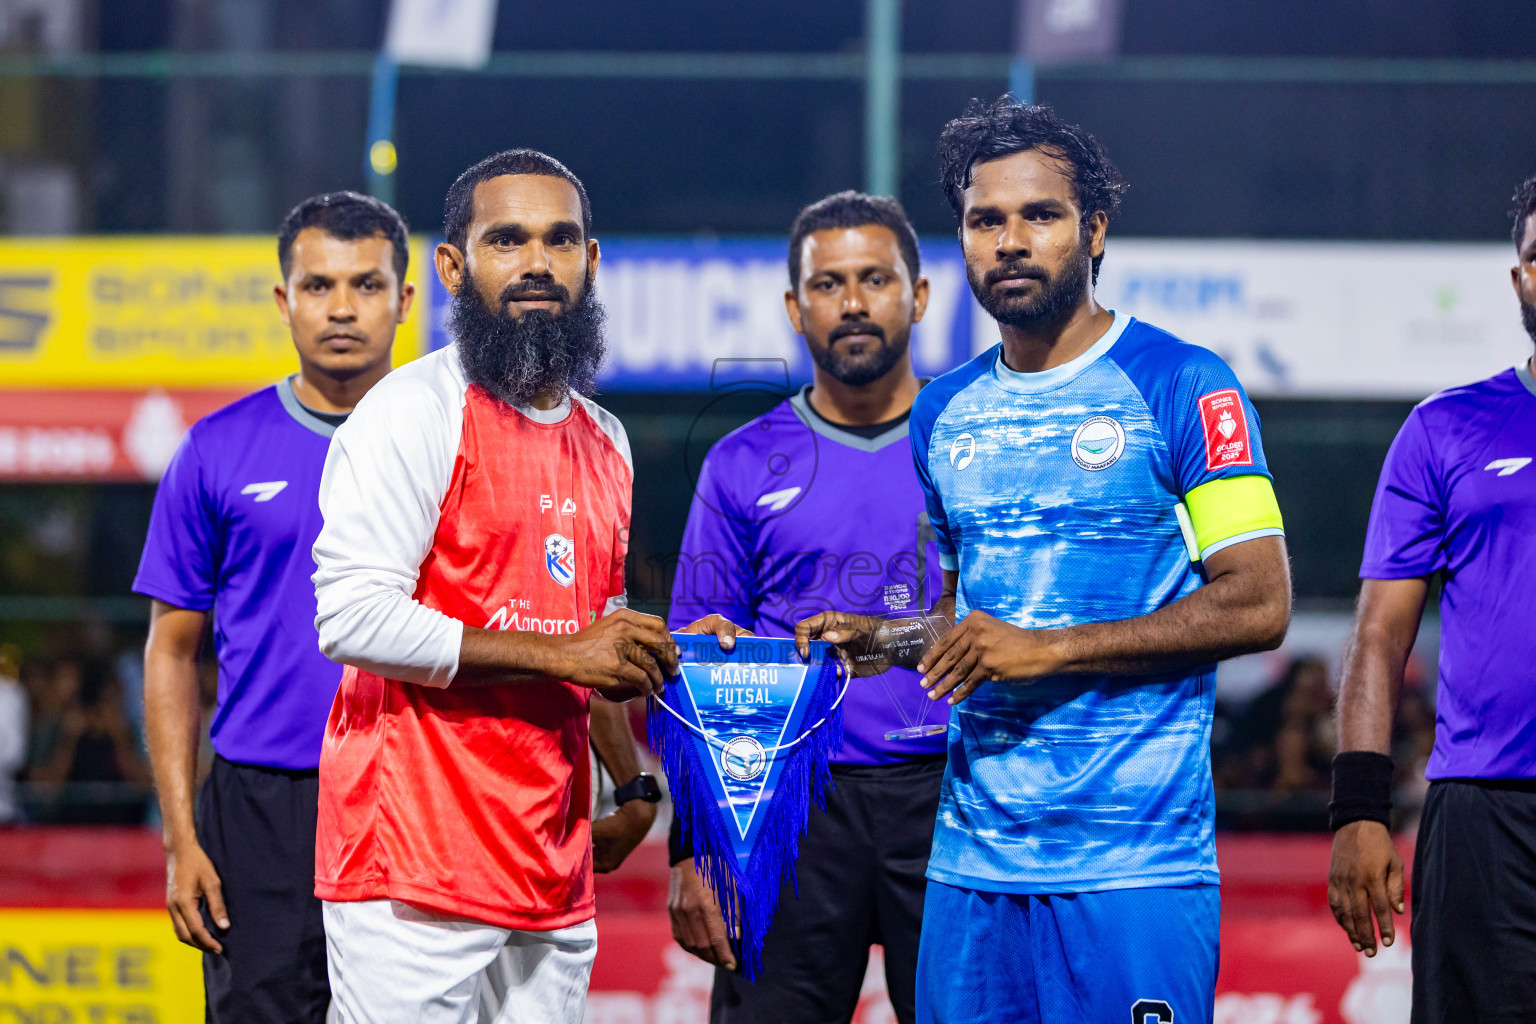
[
  {"x": 1266, "y": 810},
  {"x": 880, "y": 66},
  {"x": 34, "y": 608},
  {"x": 85, "y": 803},
  {"x": 852, "y": 66},
  {"x": 1240, "y": 810}
]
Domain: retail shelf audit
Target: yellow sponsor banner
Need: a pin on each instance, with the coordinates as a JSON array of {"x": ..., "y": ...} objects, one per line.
[
  {"x": 172, "y": 311},
  {"x": 96, "y": 967}
]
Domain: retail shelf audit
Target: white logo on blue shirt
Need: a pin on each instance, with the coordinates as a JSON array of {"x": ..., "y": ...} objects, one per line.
[
  {"x": 962, "y": 451},
  {"x": 264, "y": 491},
  {"x": 560, "y": 559},
  {"x": 1097, "y": 443},
  {"x": 779, "y": 500},
  {"x": 1507, "y": 467}
]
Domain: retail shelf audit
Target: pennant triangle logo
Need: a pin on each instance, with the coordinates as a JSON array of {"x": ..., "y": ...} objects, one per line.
[{"x": 747, "y": 712}]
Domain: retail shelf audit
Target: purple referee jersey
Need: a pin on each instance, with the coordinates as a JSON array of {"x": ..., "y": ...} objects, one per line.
[
  {"x": 793, "y": 516},
  {"x": 235, "y": 518},
  {"x": 1458, "y": 495}
]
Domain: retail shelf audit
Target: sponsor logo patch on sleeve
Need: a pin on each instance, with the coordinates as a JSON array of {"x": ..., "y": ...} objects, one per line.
[{"x": 1226, "y": 430}]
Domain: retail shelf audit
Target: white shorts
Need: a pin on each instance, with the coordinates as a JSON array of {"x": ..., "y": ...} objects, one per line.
[{"x": 393, "y": 962}]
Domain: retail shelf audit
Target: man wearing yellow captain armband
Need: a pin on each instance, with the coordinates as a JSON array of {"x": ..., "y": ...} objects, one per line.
[{"x": 1107, "y": 531}]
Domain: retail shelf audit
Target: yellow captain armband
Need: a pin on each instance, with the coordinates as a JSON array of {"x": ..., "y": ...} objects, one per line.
[{"x": 1226, "y": 512}]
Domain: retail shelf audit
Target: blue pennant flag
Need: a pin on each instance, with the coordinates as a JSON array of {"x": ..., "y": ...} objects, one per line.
[{"x": 744, "y": 736}]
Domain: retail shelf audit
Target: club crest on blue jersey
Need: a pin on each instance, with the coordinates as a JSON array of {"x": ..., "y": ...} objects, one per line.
[
  {"x": 560, "y": 559},
  {"x": 1098, "y": 442}
]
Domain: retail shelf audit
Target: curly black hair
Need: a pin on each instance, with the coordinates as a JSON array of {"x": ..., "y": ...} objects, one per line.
[
  {"x": 853, "y": 210},
  {"x": 987, "y": 131},
  {"x": 1524, "y": 201}
]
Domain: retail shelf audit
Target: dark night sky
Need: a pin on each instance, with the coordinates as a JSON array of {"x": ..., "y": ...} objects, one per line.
[
  {"x": 1380, "y": 28},
  {"x": 1358, "y": 161}
]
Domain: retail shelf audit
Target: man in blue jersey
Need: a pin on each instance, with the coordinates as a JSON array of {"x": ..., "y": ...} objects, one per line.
[
  {"x": 1456, "y": 500},
  {"x": 810, "y": 507},
  {"x": 234, "y": 521},
  {"x": 1108, "y": 531}
]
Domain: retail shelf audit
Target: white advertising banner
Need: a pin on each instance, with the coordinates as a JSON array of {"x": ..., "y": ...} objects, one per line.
[
  {"x": 1328, "y": 319},
  {"x": 1294, "y": 319}
]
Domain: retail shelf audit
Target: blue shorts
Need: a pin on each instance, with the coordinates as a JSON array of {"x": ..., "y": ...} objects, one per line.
[{"x": 1143, "y": 956}]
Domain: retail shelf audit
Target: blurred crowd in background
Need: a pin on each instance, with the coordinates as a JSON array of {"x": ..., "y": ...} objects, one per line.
[
  {"x": 72, "y": 749},
  {"x": 1272, "y": 754}
]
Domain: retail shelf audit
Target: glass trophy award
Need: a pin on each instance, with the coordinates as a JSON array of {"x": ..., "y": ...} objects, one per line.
[
  {"x": 902, "y": 643},
  {"x": 917, "y": 732}
]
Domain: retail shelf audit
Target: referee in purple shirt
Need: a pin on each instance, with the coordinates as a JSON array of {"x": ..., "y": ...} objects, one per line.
[
  {"x": 1456, "y": 500},
  {"x": 815, "y": 506},
  {"x": 234, "y": 519}
]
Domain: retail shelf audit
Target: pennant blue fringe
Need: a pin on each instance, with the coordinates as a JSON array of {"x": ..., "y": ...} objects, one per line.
[{"x": 748, "y": 900}]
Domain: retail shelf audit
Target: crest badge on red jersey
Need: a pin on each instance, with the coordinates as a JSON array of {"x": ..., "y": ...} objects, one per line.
[
  {"x": 1226, "y": 430},
  {"x": 560, "y": 559}
]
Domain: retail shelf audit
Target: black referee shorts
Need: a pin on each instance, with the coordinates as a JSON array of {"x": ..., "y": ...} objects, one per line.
[
  {"x": 861, "y": 873},
  {"x": 257, "y": 825},
  {"x": 1474, "y": 904}
]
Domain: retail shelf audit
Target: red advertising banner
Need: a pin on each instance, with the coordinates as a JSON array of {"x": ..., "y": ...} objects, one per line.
[
  {"x": 1283, "y": 959},
  {"x": 97, "y": 436},
  {"x": 1284, "y": 970}
]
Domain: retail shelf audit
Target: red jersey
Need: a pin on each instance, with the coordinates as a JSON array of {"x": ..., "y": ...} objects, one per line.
[{"x": 444, "y": 507}]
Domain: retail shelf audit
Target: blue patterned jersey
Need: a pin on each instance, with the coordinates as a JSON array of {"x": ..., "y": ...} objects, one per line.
[{"x": 1059, "y": 497}]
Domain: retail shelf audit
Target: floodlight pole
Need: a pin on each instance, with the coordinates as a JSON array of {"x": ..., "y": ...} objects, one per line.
[
  {"x": 882, "y": 96},
  {"x": 380, "y": 159},
  {"x": 1021, "y": 79}
]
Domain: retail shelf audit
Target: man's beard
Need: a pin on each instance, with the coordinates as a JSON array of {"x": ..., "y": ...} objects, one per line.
[
  {"x": 519, "y": 358},
  {"x": 1055, "y": 297},
  {"x": 1528, "y": 318},
  {"x": 856, "y": 371}
]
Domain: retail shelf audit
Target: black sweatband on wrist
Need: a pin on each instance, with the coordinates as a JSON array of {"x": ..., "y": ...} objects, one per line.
[
  {"x": 677, "y": 850},
  {"x": 1362, "y": 788}
]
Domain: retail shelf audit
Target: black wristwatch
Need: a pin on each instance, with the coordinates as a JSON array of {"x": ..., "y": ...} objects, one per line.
[{"x": 642, "y": 787}]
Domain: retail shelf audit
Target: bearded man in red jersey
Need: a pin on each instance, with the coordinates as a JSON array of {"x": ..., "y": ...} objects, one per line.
[{"x": 471, "y": 577}]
